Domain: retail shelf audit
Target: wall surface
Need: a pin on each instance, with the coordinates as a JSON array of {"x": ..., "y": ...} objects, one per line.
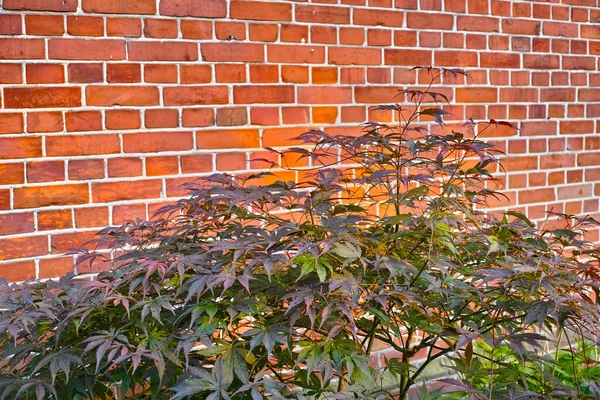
[{"x": 108, "y": 106}]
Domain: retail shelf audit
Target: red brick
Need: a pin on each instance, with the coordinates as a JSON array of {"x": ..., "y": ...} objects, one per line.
[
  {"x": 260, "y": 10},
  {"x": 263, "y": 32},
  {"x": 22, "y": 247},
  {"x": 235, "y": 139},
  {"x": 263, "y": 116},
  {"x": 379, "y": 37},
  {"x": 158, "y": 166},
  {"x": 122, "y": 119},
  {"x": 124, "y": 166},
  {"x": 119, "y": 6},
  {"x": 11, "y": 174},
  {"x": 323, "y": 34},
  {"x": 5, "y": 199},
  {"x": 591, "y": 95},
  {"x": 362, "y": 16},
  {"x": 11, "y": 123},
  {"x": 45, "y": 25},
  {"x": 122, "y": 96},
  {"x": 195, "y": 117},
  {"x": 54, "y": 219},
  {"x": 521, "y": 27},
  {"x": 160, "y": 28},
  {"x": 160, "y": 73},
  {"x": 324, "y": 95},
  {"x": 232, "y": 52},
  {"x": 557, "y": 161},
  {"x": 195, "y": 74},
  {"x": 10, "y": 24},
  {"x": 193, "y": 8},
  {"x": 230, "y": 30},
  {"x": 296, "y": 54},
  {"x": 15, "y": 223},
  {"x": 45, "y": 73},
  {"x": 375, "y": 94},
  {"x": 588, "y": 159},
  {"x": 44, "y": 122},
  {"x": 531, "y": 128},
  {"x": 162, "y": 51},
  {"x": 43, "y": 196},
  {"x": 354, "y": 36},
  {"x": 477, "y": 24},
  {"x": 85, "y": 26},
  {"x": 56, "y": 267},
  {"x": 476, "y": 95},
  {"x": 85, "y": 73},
  {"x": 322, "y": 14},
  {"x": 541, "y": 61},
  {"x": 124, "y": 73},
  {"x": 22, "y": 49},
  {"x": 579, "y": 62},
  {"x": 196, "y": 29},
  {"x": 232, "y": 116},
  {"x": 296, "y": 115},
  {"x": 45, "y": 171},
  {"x": 41, "y": 5},
  {"x": 186, "y": 96},
  {"x": 129, "y": 190},
  {"x": 354, "y": 56},
  {"x": 46, "y": 97},
  {"x": 558, "y": 94},
  {"x": 561, "y": 29},
  {"x": 81, "y": 121},
  {"x": 124, "y": 27},
  {"x": 128, "y": 212},
  {"x": 407, "y": 57},
  {"x": 294, "y": 33},
  {"x": 226, "y": 73},
  {"x": 266, "y": 94},
  {"x": 157, "y": 141},
  {"x": 576, "y": 127},
  {"x": 86, "y": 49},
  {"x": 456, "y": 58},
  {"x": 425, "y": 21},
  {"x": 196, "y": 164},
  {"x": 11, "y": 73},
  {"x": 500, "y": 60},
  {"x": 86, "y": 169},
  {"x": 82, "y": 145},
  {"x": 515, "y": 95},
  {"x": 91, "y": 217}
]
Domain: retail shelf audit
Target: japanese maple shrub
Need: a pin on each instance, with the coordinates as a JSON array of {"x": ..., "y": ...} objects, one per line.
[{"x": 249, "y": 289}]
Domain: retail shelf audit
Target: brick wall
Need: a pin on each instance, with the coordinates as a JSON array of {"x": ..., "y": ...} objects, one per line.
[{"x": 108, "y": 106}]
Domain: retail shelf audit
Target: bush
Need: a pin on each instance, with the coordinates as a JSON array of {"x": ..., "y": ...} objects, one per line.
[{"x": 250, "y": 290}]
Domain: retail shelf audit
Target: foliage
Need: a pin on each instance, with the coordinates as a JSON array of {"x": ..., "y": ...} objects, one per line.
[{"x": 252, "y": 290}]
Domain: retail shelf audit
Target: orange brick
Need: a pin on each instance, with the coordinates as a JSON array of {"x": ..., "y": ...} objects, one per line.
[
  {"x": 231, "y": 162},
  {"x": 234, "y": 139},
  {"x": 196, "y": 117},
  {"x": 195, "y": 74},
  {"x": 54, "y": 219},
  {"x": 167, "y": 165},
  {"x": 160, "y": 28},
  {"x": 85, "y": 26},
  {"x": 157, "y": 141},
  {"x": 191, "y": 8},
  {"x": 10, "y": 73},
  {"x": 57, "y": 146},
  {"x": 129, "y": 190},
  {"x": 186, "y": 96},
  {"x": 196, "y": 164},
  {"x": 44, "y": 122},
  {"x": 11, "y": 123},
  {"x": 21, "y": 147},
  {"x": 86, "y": 49},
  {"x": 56, "y": 267},
  {"x": 125, "y": 27},
  {"x": 160, "y": 73},
  {"x": 42, "y": 196},
  {"x": 91, "y": 217},
  {"x": 119, "y": 6},
  {"x": 44, "y": 25},
  {"x": 162, "y": 51},
  {"x": 122, "y": 96},
  {"x": 47, "y": 97},
  {"x": 18, "y": 270}
]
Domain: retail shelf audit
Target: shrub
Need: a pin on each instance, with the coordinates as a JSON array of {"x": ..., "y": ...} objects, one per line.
[{"x": 250, "y": 290}]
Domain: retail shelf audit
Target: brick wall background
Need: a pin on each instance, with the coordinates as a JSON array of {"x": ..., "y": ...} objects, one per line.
[{"x": 108, "y": 106}]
